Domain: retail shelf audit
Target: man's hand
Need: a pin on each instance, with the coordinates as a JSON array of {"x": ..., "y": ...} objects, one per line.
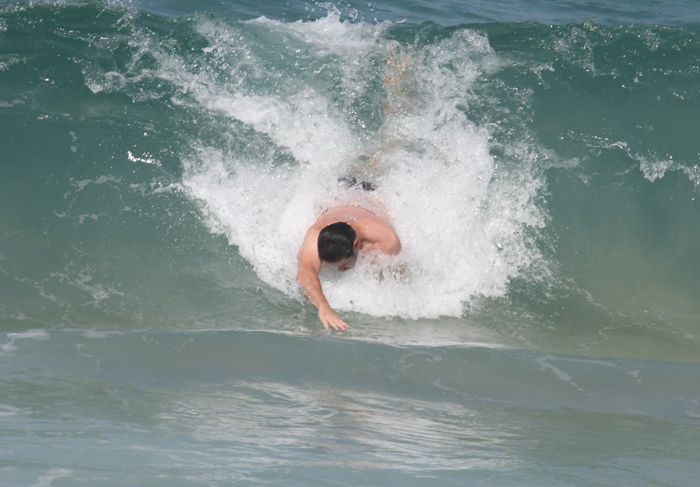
[{"x": 329, "y": 317}]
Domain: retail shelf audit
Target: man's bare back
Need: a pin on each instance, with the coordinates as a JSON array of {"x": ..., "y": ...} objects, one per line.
[{"x": 369, "y": 232}]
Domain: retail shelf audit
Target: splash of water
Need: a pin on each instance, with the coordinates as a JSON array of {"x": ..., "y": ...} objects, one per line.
[{"x": 462, "y": 215}]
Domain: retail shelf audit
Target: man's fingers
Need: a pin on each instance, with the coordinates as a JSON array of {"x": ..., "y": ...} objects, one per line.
[
  {"x": 340, "y": 325},
  {"x": 333, "y": 320},
  {"x": 337, "y": 324}
]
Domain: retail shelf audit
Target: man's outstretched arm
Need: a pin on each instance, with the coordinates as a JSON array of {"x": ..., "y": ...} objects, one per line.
[{"x": 309, "y": 265}]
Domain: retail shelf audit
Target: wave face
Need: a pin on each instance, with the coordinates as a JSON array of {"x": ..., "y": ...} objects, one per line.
[
  {"x": 543, "y": 178},
  {"x": 160, "y": 163}
]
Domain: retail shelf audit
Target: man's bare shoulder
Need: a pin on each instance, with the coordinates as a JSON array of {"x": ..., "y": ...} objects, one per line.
[
  {"x": 308, "y": 260},
  {"x": 347, "y": 214},
  {"x": 310, "y": 244},
  {"x": 391, "y": 243}
]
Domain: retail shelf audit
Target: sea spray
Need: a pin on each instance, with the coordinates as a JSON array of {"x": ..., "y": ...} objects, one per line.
[{"x": 460, "y": 213}]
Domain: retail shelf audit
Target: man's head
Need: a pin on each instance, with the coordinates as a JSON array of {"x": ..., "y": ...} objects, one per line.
[{"x": 336, "y": 245}]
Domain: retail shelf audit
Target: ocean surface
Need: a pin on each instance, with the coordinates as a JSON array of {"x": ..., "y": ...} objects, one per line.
[{"x": 160, "y": 162}]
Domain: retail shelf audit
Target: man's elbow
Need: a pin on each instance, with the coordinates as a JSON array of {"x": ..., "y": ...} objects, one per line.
[
  {"x": 395, "y": 247},
  {"x": 303, "y": 277}
]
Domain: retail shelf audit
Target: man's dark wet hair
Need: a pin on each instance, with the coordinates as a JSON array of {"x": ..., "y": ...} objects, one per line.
[{"x": 336, "y": 242}]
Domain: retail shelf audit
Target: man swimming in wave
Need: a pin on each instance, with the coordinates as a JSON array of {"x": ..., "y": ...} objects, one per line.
[
  {"x": 337, "y": 238},
  {"x": 341, "y": 233}
]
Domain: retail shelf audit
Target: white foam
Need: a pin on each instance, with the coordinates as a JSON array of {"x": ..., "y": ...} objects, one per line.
[
  {"x": 101, "y": 333},
  {"x": 35, "y": 335},
  {"x": 9, "y": 104},
  {"x": 461, "y": 214},
  {"x": 27, "y": 335},
  {"x": 54, "y": 474},
  {"x": 7, "y": 411},
  {"x": 657, "y": 169}
]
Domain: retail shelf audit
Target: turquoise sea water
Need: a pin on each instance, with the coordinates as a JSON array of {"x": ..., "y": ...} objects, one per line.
[{"x": 160, "y": 162}]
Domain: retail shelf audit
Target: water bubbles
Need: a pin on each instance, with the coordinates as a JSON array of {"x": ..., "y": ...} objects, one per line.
[{"x": 460, "y": 216}]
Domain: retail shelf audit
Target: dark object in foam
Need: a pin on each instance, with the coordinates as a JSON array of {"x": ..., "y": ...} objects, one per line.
[{"x": 351, "y": 182}]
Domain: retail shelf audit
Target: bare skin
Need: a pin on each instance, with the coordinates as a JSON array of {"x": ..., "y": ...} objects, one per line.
[{"x": 372, "y": 233}]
